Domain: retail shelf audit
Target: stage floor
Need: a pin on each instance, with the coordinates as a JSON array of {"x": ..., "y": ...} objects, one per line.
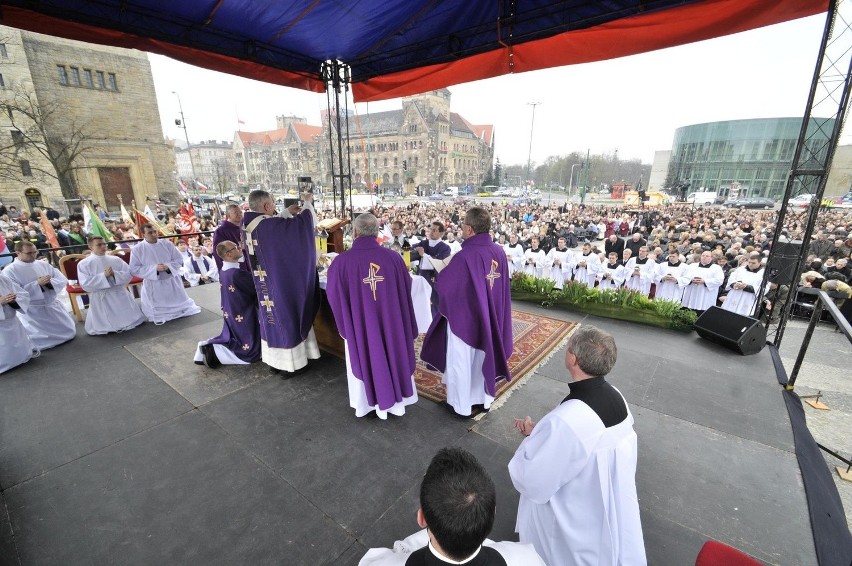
[{"x": 119, "y": 449}]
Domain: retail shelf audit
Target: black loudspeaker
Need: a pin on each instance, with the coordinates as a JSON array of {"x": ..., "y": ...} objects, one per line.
[
  {"x": 782, "y": 262},
  {"x": 742, "y": 334}
]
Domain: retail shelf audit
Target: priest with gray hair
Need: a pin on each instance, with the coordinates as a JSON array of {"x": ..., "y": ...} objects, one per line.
[{"x": 369, "y": 290}]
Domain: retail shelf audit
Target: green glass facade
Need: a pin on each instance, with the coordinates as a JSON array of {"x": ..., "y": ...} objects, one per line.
[{"x": 755, "y": 154}]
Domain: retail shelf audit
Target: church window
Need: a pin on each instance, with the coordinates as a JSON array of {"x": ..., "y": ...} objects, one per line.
[
  {"x": 87, "y": 78},
  {"x": 18, "y": 138},
  {"x": 26, "y": 171},
  {"x": 113, "y": 84},
  {"x": 63, "y": 74},
  {"x": 3, "y": 53},
  {"x": 101, "y": 80},
  {"x": 2, "y": 82},
  {"x": 75, "y": 76}
]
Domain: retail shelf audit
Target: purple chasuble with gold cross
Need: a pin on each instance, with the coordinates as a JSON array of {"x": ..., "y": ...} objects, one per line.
[
  {"x": 239, "y": 309},
  {"x": 369, "y": 290},
  {"x": 475, "y": 304},
  {"x": 282, "y": 257}
]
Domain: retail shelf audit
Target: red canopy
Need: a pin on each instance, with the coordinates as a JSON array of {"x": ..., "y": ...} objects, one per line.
[{"x": 396, "y": 47}]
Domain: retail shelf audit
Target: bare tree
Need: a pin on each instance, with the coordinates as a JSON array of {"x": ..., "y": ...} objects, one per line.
[{"x": 45, "y": 141}]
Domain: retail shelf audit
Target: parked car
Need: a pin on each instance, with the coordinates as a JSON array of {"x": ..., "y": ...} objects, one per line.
[
  {"x": 751, "y": 202},
  {"x": 702, "y": 198},
  {"x": 801, "y": 201},
  {"x": 436, "y": 196}
]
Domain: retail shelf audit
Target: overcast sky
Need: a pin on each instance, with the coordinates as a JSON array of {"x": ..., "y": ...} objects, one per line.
[{"x": 632, "y": 105}]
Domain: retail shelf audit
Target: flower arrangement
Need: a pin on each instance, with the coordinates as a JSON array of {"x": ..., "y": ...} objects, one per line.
[{"x": 622, "y": 304}]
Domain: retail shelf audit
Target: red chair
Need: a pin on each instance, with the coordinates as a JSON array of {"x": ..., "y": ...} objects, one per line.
[
  {"x": 68, "y": 267},
  {"x": 714, "y": 553},
  {"x": 135, "y": 282}
]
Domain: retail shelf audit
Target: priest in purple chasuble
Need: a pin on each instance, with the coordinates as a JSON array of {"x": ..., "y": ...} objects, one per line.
[
  {"x": 369, "y": 290},
  {"x": 281, "y": 253},
  {"x": 239, "y": 342},
  {"x": 471, "y": 339},
  {"x": 229, "y": 229}
]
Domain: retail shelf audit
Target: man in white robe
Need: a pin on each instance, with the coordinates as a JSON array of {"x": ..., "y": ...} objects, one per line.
[
  {"x": 702, "y": 281},
  {"x": 199, "y": 270},
  {"x": 15, "y": 344},
  {"x": 743, "y": 286},
  {"x": 46, "y": 321},
  {"x": 640, "y": 272},
  {"x": 561, "y": 261},
  {"x": 669, "y": 278},
  {"x": 457, "y": 509},
  {"x": 576, "y": 470},
  {"x": 158, "y": 263},
  {"x": 104, "y": 277},
  {"x": 535, "y": 260},
  {"x": 611, "y": 275},
  {"x": 514, "y": 254},
  {"x": 586, "y": 266}
]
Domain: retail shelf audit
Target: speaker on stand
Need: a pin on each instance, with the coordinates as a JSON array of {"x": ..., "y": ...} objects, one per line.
[{"x": 742, "y": 334}]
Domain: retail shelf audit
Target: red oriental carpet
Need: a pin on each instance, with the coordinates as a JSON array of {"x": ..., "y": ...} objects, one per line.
[{"x": 535, "y": 339}]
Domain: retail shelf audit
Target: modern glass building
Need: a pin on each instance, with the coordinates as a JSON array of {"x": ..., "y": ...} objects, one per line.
[{"x": 754, "y": 156}]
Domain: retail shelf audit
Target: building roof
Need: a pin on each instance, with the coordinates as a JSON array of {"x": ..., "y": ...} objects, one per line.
[
  {"x": 268, "y": 137},
  {"x": 377, "y": 123},
  {"x": 306, "y": 132}
]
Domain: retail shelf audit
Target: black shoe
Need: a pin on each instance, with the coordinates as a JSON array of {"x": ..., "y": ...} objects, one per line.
[{"x": 210, "y": 359}]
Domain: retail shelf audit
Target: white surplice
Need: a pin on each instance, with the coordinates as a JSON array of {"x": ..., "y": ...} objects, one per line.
[
  {"x": 46, "y": 321},
  {"x": 463, "y": 376},
  {"x": 163, "y": 296},
  {"x": 586, "y": 268},
  {"x": 561, "y": 266},
  {"x": 701, "y": 296},
  {"x": 514, "y": 553},
  {"x": 15, "y": 344},
  {"x": 739, "y": 300},
  {"x": 515, "y": 256},
  {"x": 671, "y": 290},
  {"x": 642, "y": 281},
  {"x": 539, "y": 265},
  {"x": 112, "y": 307},
  {"x": 610, "y": 276},
  {"x": 205, "y": 265},
  {"x": 358, "y": 394},
  {"x": 577, "y": 481}
]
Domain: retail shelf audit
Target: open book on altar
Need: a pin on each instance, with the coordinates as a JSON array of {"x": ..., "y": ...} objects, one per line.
[
  {"x": 332, "y": 224},
  {"x": 334, "y": 229}
]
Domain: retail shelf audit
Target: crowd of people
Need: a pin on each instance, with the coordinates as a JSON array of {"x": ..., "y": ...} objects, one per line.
[{"x": 265, "y": 263}]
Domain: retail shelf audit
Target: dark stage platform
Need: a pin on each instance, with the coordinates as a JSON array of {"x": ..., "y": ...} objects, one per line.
[{"x": 119, "y": 449}]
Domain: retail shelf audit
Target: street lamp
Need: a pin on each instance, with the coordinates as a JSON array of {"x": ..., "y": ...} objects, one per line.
[
  {"x": 571, "y": 179},
  {"x": 182, "y": 124},
  {"x": 532, "y": 125}
]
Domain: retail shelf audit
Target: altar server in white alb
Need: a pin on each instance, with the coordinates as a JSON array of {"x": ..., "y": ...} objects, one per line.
[
  {"x": 586, "y": 266},
  {"x": 104, "y": 277},
  {"x": 535, "y": 260},
  {"x": 561, "y": 261},
  {"x": 702, "y": 281},
  {"x": 514, "y": 254},
  {"x": 640, "y": 272},
  {"x": 15, "y": 344},
  {"x": 576, "y": 470},
  {"x": 47, "y": 322},
  {"x": 669, "y": 278},
  {"x": 743, "y": 286},
  {"x": 158, "y": 262},
  {"x": 198, "y": 269},
  {"x": 611, "y": 274}
]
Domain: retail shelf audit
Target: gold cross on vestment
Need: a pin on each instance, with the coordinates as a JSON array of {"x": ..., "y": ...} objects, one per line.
[
  {"x": 246, "y": 347},
  {"x": 493, "y": 274},
  {"x": 231, "y": 288},
  {"x": 267, "y": 303},
  {"x": 238, "y": 318},
  {"x": 260, "y": 273},
  {"x": 226, "y": 314},
  {"x": 372, "y": 279}
]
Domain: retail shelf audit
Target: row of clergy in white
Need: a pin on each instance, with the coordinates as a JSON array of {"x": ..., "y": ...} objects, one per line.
[
  {"x": 695, "y": 286},
  {"x": 32, "y": 318}
]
